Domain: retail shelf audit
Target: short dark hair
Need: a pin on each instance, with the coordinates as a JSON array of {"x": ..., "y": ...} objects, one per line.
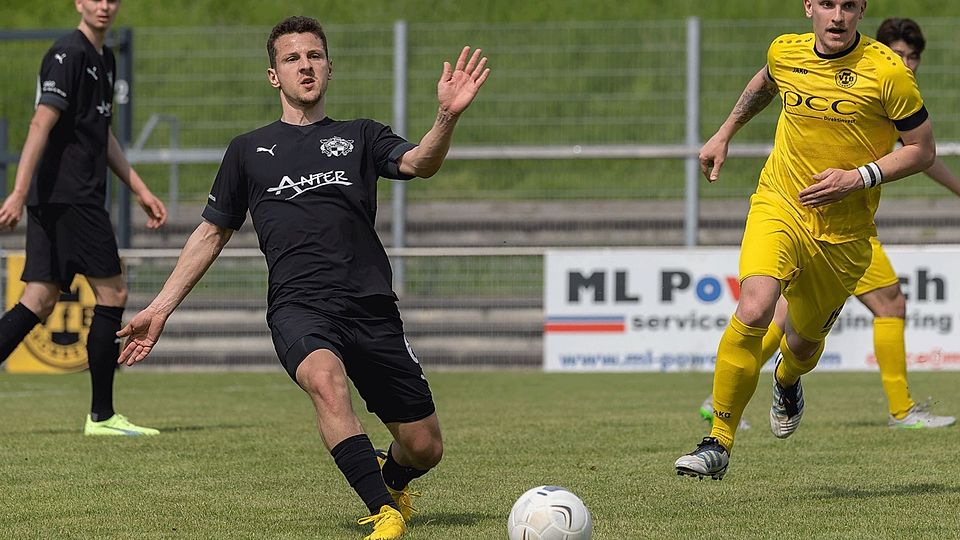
[
  {"x": 294, "y": 25},
  {"x": 906, "y": 30}
]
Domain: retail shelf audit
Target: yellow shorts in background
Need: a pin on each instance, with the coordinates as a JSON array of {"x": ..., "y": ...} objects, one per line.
[
  {"x": 816, "y": 277},
  {"x": 879, "y": 274}
]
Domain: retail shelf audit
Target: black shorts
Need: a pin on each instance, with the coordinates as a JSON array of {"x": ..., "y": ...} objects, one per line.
[
  {"x": 64, "y": 240},
  {"x": 367, "y": 335}
]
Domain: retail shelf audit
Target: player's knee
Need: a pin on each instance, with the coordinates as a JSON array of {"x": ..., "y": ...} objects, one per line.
[
  {"x": 426, "y": 452},
  {"x": 114, "y": 296},
  {"x": 325, "y": 385}
]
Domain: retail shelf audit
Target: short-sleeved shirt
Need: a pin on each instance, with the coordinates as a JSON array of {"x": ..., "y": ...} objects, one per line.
[
  {"x": 78, "y": 81},
  {"x": 841, "y": 110},
  {"x": 311, "y": 192}
]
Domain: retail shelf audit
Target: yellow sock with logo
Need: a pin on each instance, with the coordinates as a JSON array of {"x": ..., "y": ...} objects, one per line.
[
  {"x": 735, "y": 377},
  {"x": 791, "y": 368},
  {"x": 891, "y": 353}
]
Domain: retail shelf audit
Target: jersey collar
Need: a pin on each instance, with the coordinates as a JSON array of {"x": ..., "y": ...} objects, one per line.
[{"x": 856, "y": 41}]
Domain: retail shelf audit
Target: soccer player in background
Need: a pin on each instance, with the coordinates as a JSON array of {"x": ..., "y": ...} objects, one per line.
[
  {"x": 68, "y": 148},
  {"x": 310, "y": 185},
  {"x": 845, "y": 100},
  {"x": 879, "y": 288}
]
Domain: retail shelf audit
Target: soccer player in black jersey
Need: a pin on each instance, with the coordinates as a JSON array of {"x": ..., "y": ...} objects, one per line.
[
  {"x": 309, "y": 183},
  {"x": 68, "y": 148}
]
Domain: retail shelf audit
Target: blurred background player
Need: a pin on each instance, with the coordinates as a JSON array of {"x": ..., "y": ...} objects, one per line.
[
  {"x": 68, "y": 148},
  {"x": 808, "y": 230},
  {"x": 879, "y": 288},
  {"x": 310, "y": 184}
]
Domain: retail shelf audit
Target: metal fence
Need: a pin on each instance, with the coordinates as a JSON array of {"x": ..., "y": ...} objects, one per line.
[
  {"x": 575, "y": 112},
  {"x": 579, "y": 139},
  {"x": 462, "y": 308}
]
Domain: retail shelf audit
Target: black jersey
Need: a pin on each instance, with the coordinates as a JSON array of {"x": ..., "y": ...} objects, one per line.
[
  {"x": 78, "y": 81},
  {"x": 312, "y": 194}
]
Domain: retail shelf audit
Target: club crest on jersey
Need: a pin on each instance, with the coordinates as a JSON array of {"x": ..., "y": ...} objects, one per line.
[
  {"x": 846, "y": 78},
  {"x": 336, "y": 146}
]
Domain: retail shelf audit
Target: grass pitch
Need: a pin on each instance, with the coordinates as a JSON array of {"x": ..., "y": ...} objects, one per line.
[{"x": 239, "y": 457}]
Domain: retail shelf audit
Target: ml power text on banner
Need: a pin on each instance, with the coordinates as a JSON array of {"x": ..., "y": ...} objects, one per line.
[{"x": 665, "y": 310}]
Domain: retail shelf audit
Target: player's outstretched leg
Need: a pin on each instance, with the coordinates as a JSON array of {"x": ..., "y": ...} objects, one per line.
[
  {"x": 417, "y": 448},
  {"x": 709, "y": 459},
  {"x": 920, "y": 418}
]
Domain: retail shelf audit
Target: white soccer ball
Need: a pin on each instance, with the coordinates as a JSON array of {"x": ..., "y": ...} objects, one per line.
[{"x": 549, "y": 513}]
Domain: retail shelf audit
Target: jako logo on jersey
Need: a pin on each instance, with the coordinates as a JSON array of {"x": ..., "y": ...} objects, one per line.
[
  {"x": 801, "y": 71},
  {"x": 846, "y": 78},
  {"x": 267, "y": 150},
  {"x": 93, "y": 72},
  {"x": 60, "y": 57},
  {"x": 336, "y": 146},
  {"x": 708, "y": 289},
  {"x": 793, "y": 99},
  {"x": 307, "y": 183}
]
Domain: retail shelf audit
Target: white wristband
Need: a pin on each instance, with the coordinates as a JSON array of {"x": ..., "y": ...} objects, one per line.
[{"x": 871, "y": 175}]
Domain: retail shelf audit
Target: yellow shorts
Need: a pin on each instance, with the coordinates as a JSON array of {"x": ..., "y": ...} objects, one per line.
[
  {"x": 879, "y": 274},
  {"x": 815, "y": 277}
]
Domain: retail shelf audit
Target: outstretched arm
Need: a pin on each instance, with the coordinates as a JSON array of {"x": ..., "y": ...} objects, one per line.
[
  {"x": 942, "y": 174},
  {"x": 144, "y": 330},
  {"x": 455, "y": 92},
  {"x": 41, "y": 124},
  {"x": 153, "y": 206},
  {"x": 759, "y": 92}
]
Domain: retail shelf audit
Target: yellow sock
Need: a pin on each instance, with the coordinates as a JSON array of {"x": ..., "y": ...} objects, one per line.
[
  {"x": 891, "y": 352},
  {"x": 735, "y": 377},
  {"x": 790, "y": 368},
  {"x": 771, "y": 341}
]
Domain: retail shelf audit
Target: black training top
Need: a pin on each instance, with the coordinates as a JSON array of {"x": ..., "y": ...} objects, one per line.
[
  {"x": 312, "y": 194},
  {"x": 78, "y": 81}
]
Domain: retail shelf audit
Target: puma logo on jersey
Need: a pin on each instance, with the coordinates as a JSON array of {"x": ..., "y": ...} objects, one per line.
[
  {"x": 60, "y": 57},
  {"x": 93, "y": 72},
  {"x": 267, "y": 150}
]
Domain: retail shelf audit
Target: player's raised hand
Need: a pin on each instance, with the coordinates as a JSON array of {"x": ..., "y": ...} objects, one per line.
[
  {"x": 11, "y": 212},
  {"x": 832, "y": 185},
  {"x": 154, "y": 208},
  {"x": 459, "y": 85},
  {"x": 142, "y": 333},
  {"x": 712, "y": 155}
]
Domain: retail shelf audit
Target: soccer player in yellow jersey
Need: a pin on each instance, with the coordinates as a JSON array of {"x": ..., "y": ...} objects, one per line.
[
  {"x": 845, "y": 99},
  {"x": 879, "y": 288}
]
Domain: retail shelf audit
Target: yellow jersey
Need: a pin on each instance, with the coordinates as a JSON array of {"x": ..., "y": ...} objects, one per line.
[{"x": 841, "y": 110}]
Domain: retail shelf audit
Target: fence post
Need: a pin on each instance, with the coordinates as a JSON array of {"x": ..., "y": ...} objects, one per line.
[
  {"x": 124, "y": 77},
  {"x": 3, "y": 157},
  {"x": 399, "y": 224},
  {"x": 691, "y": 222}
]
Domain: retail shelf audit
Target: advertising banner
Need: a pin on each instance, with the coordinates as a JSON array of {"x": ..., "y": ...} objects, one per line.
[
  {"x": 58, "y": 345},
  {"x": 665, "y": 310}
]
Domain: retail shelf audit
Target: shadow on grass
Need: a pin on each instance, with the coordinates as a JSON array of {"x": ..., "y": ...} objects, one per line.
[
  {"x": 163, "y": 429},
  {"x": 433, "y": 519},
  {"x": 838, "y": 492}
]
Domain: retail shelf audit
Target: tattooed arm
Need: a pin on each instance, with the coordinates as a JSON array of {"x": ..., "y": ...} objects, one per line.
[
  {"x": 755, "y": 97},
  {"x": 455, "y": 91}
]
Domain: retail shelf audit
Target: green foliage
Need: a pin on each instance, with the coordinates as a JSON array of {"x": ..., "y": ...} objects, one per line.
[{"x": 239, "y": 457}]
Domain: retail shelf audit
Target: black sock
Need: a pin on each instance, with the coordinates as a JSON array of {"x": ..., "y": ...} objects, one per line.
[
  {"x": 103, "y": 349},
  {"x": 14, "y": 326},
  {"x": 358, "y": 462},
  {"x": 396, "y": 476}
]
